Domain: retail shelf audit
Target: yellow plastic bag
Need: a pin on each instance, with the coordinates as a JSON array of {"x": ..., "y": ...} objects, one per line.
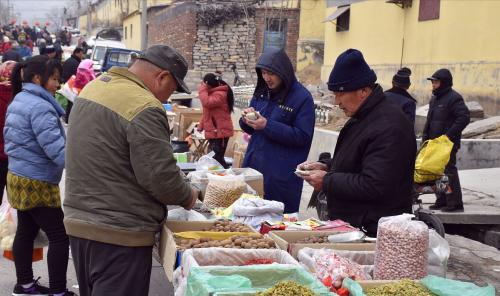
[{"x": 432, "y": 159}]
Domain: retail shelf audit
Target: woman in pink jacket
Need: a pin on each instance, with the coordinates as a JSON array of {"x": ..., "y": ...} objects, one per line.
[{"x": 217, "y": 100}]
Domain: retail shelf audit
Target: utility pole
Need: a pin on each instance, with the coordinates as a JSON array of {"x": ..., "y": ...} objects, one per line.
[
  {"x": 8, "y": 11},
  {"x": 144, "y": 23},
  {"x": 89, "y": 18}
]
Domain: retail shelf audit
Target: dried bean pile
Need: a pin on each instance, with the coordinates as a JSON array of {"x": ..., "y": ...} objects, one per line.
[
  {"x": 252, "y": 241},
  {"x": 400, "y": 288},
  {"x": 228, "y": 226},
  {"x": 401, "y": 251},
  {"x": 222, "y": 194},
  {"x": 314, "y": 239},
  {"x": 287, "y": 288}
]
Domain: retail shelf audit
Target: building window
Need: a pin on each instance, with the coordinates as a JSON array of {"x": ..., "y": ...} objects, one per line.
[
  {"x": 130, "y": 30},
  {"x": 429, "y": 10},
  {"x": 275, "y": 33},
  {"x": 343, "y": 21},
  {"x": 126, "y": 33}
]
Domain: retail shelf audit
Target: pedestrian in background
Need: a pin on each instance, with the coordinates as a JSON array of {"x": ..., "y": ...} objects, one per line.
[
  {"x": 12, "y": 54},
  {"x": 448, "y": 115},
  {"x": 5, "y": 98},
  {"x": 399, "y": 93},
  {"x": 217, "y": 100},
  {"x": 35, "y": 144},
  {"x": 24, "y": 51}
]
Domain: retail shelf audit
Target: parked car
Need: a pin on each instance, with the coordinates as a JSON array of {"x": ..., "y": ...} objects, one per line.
[
  {"x": 116, "y": 57},
  {"x": 99, "y": 50}
]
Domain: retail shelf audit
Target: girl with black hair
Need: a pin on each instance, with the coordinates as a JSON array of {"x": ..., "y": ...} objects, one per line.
[
  {"x": 217, "y": 100},
  {"x": 35, "y": 144}
]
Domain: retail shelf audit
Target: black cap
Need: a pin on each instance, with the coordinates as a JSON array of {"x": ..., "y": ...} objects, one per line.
[{"x": 167, "y": 58}]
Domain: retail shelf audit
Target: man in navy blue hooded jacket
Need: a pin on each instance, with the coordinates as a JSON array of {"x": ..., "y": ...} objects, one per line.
[{"x": 282, "y": 134}]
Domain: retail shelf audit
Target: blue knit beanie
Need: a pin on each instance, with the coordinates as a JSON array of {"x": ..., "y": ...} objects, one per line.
[{"x": 351, "y": 72}]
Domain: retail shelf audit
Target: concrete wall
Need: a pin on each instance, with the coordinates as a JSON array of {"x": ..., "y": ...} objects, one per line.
[
  {"x": 474, "y": 154},
  {"x": 397, "y": 38}
]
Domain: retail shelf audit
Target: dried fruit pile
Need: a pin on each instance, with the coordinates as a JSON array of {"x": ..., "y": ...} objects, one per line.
[
  {"x": 314, "y": 239},
  {"x": 228, "y": 226},
  {"x": 259, "y": 261},
  {"x": 400, "y": 288},
  {"x": 252, "y": 241},
  {"x": 287, "y": 288}
]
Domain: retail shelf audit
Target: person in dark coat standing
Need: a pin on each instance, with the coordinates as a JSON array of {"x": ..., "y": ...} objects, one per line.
[
  {"x": 371, "y": 173},
  {"x": 70, "y": 66},
  {"x": 282, "y": 134},
  {"x": 12, "y": 54},
  {"x": 399, "y": 93},
  {"x": 59, "y": 51},
  {"x": 448, "y": 115}
]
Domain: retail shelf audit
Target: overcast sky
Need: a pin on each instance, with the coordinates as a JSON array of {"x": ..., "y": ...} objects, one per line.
[{"x": 36, "y": 10}]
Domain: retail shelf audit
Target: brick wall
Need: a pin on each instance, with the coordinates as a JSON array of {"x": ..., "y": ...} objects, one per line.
[
  {"x": 175, "y": 26},
  {"x": 292, "y": 15}
]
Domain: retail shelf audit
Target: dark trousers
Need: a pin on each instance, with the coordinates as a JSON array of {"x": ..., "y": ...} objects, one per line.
[
  {"x": 104, "y": 269},
  {"x": 68, "y": 110},
  {"x": 455, "y": 197},
  {"x": 219, "y": 146},
  {"x": 49, "y": 220},
  {"x": 4, "y": 168}
]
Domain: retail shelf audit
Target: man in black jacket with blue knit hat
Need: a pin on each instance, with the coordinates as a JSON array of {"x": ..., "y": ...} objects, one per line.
[
  {"x": 448, "y": 115},
  {"x": 371, "y": 173}
]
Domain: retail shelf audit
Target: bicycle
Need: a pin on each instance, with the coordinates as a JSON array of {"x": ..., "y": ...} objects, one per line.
[{"x": 440, "y": 184}]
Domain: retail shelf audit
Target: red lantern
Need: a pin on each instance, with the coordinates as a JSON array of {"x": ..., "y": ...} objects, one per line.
[
  {"x": 25, "y": 22},
  {"x": 37, "y": 24},
  {"x": 13, "y": 21},
  {"x": 47, "y": 23}
]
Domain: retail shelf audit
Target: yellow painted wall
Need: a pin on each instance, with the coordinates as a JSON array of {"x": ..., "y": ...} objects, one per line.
[
  {"x": 133, "y": 42},
  {"x": 311, "y": 32},
  {"x": 112, "y": 12},
  {"x": 464, "y": 39}
]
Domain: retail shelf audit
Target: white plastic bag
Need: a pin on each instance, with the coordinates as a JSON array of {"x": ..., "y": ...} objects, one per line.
[
  {"x": 182, "y": 214},
  {"x": 439, "y": 252},
  {"x": 252, "y": 211},
  {"x": 223, "y": 191},
  {"x": 206, "y": 162},
  {"x": 364, "y": 258},
  {"x": 401, "y": 251},
  {"x": 179, "y": 282},
  {"x": 68, "y": 90}
]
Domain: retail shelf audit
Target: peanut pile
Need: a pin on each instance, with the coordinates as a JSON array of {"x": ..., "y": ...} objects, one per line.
[
  {"x": 228, "y": 226},
  {"x": 401, "y": 253},
  {"x": 223, "y": 194},
  {"x": 252, "y": 241}
]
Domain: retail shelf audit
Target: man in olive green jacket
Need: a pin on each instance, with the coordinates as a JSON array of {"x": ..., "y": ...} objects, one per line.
[{"x": 121, "y": 173}]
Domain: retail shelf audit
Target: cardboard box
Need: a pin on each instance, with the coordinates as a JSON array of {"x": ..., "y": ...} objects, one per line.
[
  {"x": 238, "y": 158},
  {"x": 286, "y": 241},
  {"x": 238, "y": 135},
  {"x": 169, "y": 251}
]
